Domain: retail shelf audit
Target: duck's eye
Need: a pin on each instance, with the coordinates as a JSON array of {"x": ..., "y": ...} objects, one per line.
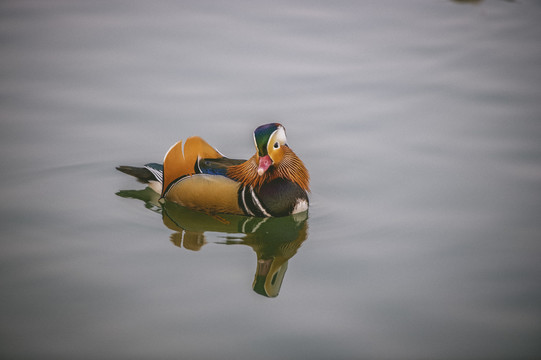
[{"x": 276, "y": 145}]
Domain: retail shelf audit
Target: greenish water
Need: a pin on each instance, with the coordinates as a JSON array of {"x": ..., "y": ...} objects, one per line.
[{"x": 419, "y": 122}]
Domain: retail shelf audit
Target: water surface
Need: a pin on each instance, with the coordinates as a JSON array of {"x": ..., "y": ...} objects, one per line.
[{"x": 419, "y": 122}]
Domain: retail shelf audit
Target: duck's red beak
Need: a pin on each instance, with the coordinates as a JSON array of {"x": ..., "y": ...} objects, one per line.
[{"x": 264, "y": 163}]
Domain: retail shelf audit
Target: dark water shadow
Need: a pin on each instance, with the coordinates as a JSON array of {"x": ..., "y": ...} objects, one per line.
[{"x": 274, "y": 240}]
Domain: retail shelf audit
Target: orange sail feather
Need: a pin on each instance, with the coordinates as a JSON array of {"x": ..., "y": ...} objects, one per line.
[{"x": 179, "y": 162}]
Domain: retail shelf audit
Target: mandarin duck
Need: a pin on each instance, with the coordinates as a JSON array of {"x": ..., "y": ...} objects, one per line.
[{"x": 273, "y": 182}]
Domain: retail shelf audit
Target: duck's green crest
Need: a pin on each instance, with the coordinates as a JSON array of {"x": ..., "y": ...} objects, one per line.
[{"x": 262, "y": 135}]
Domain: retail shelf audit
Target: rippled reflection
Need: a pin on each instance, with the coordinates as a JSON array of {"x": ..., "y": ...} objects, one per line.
[{"x": 274, "y": 240}]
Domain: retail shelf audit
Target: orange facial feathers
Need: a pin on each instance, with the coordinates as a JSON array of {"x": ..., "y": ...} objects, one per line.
[{"x": 290, "y": 167}]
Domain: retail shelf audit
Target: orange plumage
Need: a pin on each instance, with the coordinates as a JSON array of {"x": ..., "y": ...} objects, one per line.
[
  {"x": 290, "y": 167},
  {"x": 180, "y": 162}
]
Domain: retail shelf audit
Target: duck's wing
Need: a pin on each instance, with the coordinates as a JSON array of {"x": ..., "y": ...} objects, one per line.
[
  {"x": 180, "y": 162},
  {"x": 217, "y": 166}
]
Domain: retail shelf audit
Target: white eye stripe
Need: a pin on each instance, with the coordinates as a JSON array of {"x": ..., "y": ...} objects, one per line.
[{"x": 278, "y": 136}]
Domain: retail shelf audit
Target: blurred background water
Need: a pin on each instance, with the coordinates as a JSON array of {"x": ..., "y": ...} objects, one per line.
[{"x": 420, "y": 123}]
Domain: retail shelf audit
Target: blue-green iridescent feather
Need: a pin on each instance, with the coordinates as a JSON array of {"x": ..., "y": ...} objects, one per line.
[{"x": 262, "y": 135}]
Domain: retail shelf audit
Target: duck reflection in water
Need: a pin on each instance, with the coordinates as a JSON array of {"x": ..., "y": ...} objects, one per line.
[{"x": 274, "y": 240}]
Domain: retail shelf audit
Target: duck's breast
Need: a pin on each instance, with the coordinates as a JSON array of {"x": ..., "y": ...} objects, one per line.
[{"x": 282, "y": 197}]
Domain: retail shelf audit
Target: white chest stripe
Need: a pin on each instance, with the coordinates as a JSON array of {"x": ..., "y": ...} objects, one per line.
[
  {"x": 256, "y": 201},
  {"x": 244, "y": 202}
]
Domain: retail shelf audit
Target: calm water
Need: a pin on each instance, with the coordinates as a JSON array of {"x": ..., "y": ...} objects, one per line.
[{"x": 419, "y": 121}]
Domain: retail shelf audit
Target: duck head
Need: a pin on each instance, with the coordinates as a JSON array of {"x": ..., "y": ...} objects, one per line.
[{"x": 270, "y": 140}]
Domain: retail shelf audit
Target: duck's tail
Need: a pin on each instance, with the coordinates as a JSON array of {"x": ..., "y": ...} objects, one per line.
[
  {"x": 178, "y": 162},
  {"x": 151, "y": 174}
]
